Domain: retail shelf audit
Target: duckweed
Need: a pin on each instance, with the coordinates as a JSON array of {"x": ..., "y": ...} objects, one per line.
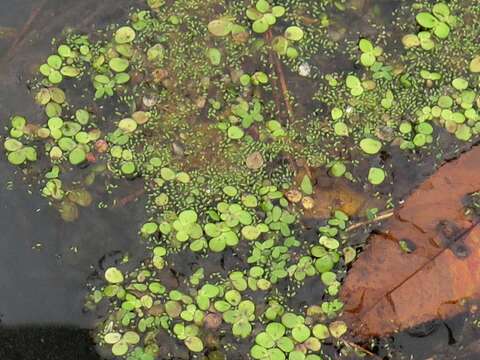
[{"x": 231, "y": 159}]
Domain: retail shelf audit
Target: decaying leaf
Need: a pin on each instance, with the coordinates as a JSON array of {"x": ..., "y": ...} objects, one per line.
[
  {"x": 333, "y": 193},
  {"x": 337, "y": 195},
  {"x": 254, "y": 161},
  {"x": 68, "y": 211},
  {"x": 390, "y": 289},
  {"x": 7, "y": 32}
]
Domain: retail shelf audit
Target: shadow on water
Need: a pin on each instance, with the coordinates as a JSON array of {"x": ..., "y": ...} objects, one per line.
[{"x": 49, "y": 342}]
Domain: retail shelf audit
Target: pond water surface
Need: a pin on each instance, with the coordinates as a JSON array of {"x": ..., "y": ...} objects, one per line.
[{"x": 45, "y": 263}]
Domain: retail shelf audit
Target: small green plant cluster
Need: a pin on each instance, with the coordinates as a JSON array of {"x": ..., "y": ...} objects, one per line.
[
  {"x": 264, "y": 15},
  {"x": 243, "y": 116},
  {"x": 145, "y": 306},
  {"x": 283, "y": 44},
  {"x": 370, "y": 53},
  {"x": 18, "y": 154},
  {"x": 406, "y": 105},
  {"x": 65, "y": 63},
  {"x": 203, "y": 114},
  {"x": 438, "y": 22}
]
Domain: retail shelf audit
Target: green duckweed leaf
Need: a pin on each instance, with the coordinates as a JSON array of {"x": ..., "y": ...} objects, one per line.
[
  {"x": 285, "y": 344},
  {"x": 214, "y": 55},
  {"x": 262, "y": 6},
  {"x": 475, "y": 64},
  {"x": 235, "y": 133},
  {"x": 365, "y": 45},
  {"x": 290, "y": 320},
  {"x": 265, "y": 340},
  {"x": 367, "y": 59},
  {"x": 426, "y": 20},
  {"x": 12, "y": 145},
  {"x": 301, "y": 333},
  {"x": 124, "y": 35},
  {"x": 341, "y": 129},
  {"x": 113, "y": 275},
  {"x": 463, "y": 132},
  {"x": 460, "y": 83},
  {"x": 353, "y": 82},
  {"x": 260, "y": 26},
  {"x": 370, "y": 146},
  {"x": 296, "y": 355},
  {"x": 259, "y": 352},
  {"x": 64, "y": 51},
  {"x": 376, "y": 176},
  {"x": 55, "y": 62},
  {"x": 242, "y": 328},
  {"x": 194, "y": 344},
  {"x": 306, "y": 185},
  {"x": 294, "y": 33},
  {"x": 120, "y": 348},
  {"x": 336, "y": 113},
  {"x": 69, "y": 71},
  {"x": 131, "y": 337},
  {"x": 127, "y": 125},
  {"x": 275, "y": 330},
  {"x": 441, "y": 30},
  {"x": 70, "y": 128},
  {"x": 112, "y": 338},
  {"x": 441, "y": 10},
  {"x": 250, "y": 232},
  {"x": 16, "y": 157},
  {"x": 77, "y": 156},
  {"x": 18, "y": 122},
  {"x": 338, "y": 169},
  {"x": 349, "y": 254},
  {"x": 278, "y": 11},
  {"x": 149, "y": 228},
  {"x": 118, "y": 65},
  {"x": 321, "y": 332},
  {"x": 410, "y": 41},
  {"x": 128, "y": 167}
]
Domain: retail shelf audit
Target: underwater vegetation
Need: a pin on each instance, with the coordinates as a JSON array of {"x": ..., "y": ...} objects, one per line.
[{"x": 210, "y": 103}]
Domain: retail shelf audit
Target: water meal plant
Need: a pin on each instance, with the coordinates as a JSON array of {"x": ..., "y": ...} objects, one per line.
[{"x": 204, "y": 113}]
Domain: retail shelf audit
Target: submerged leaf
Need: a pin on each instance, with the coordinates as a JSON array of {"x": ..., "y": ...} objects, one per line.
[{"x": 440, "y": 267}]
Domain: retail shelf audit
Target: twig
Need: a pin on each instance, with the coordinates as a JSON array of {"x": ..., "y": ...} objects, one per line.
[
  {"x": 87, "y": 20},
  {"x": 121, "y": 202},
  {"x": 26, "y": 28},
  {"x": 65, "y": 16},
  {"x": 360, "y": 348},
  {"x": 280, "y": 75},
  {"x": 276, "y": 87},
  {"x": 382, "y": 216}
]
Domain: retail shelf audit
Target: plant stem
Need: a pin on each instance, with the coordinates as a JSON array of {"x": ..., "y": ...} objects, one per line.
[
  {"x": 382, "y": 216},
  {"x": 26, "y": 28},
  {"x": 280, "y": 76},
  {"x": 360, "y": 348},
  {"x": 121, "y": 202}
]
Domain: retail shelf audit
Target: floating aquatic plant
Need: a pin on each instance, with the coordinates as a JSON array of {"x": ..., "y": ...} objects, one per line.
[{"x": 230, "y": 158}]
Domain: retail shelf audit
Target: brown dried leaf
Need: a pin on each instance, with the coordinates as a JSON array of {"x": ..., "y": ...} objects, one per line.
[{"x": 389, "y": 289}]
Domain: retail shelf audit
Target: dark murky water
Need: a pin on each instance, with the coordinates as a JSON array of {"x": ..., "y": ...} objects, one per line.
[{"x": 45, "y": 262}]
